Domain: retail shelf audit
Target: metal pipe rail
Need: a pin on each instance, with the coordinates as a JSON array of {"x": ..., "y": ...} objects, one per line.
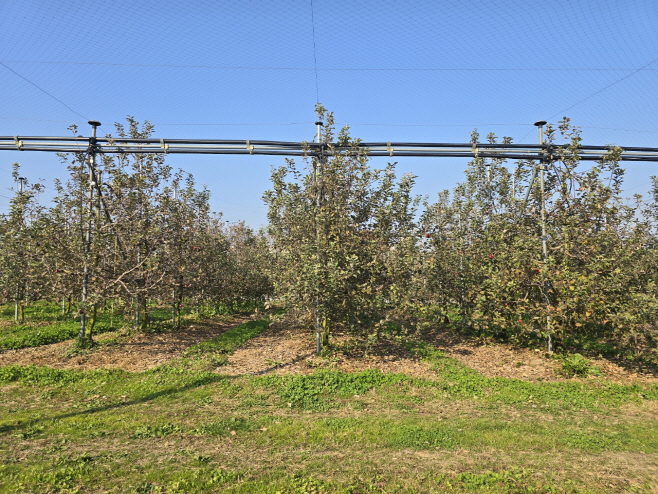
[{"x": 105, "y": 145}]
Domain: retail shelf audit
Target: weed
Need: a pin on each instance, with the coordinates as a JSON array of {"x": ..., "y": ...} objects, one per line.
[
  {"x": 47, "y": 395},
  {"x": 513, "y": 480},
  {"x": 25, "y": 336},
  {"x": 425, "y": 438},
  {"x": 48, "y": 376},
  {"x": 575, "y": 365},
  {"x": 29, "y": 432},
  {"x": 311, "y": 392},
  {"x": 163, "y": 430},
  {"x": 501, "y": 419},
  {"x": 224, "y": 427},
  {"x": 458, "y": 381},
  {"x": 588, "y": 441},
  {"x": 201, "y": 480},
  {"x": 206, "y": 400},
  {"x": 146, "y": 488},
  {"x": 57, "y": 446},
  {"x": 218, "y": 477},
  {"x": 46, "y": 325},
  {"x": 63, "y": 478}
]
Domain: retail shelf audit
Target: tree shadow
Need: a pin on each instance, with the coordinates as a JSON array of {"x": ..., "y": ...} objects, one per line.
[
  {"x": 280, "y": 366},
  {"x": 202, "y": 381}
]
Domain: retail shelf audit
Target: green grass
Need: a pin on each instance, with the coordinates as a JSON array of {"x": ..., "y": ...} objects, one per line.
[
  {"x": 45, "y": 324},
  {"x": 180, "y": 429},
  {"x": 575, "y": 365},
  {"x": 173, "y": 430},
  {"x": 222, "y": 309},
  {"x": 459, "y": 381},
  {"x": 229, "y": 341},
  {"x": 30, "y": 335}
]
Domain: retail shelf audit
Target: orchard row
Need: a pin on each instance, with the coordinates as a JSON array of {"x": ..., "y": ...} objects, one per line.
[
  {"x": 137, "y": 232},
  {"x": 544, "y": 250},
  {"x": 531, "y": 249}
]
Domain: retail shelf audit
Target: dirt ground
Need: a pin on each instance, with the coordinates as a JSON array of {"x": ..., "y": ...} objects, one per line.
[
  {"x": 130, "y": 352},
  {"x": 285, "y": 349},
  {"x": 506, "y": 360}
]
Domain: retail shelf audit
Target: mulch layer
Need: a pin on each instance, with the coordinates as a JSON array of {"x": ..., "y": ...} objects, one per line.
[{"x": 285, "y": 348}]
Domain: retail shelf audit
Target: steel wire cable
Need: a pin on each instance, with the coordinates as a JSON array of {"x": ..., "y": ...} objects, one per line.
[
  {"x": 422, "y": 70},
  {"x": 478, "y": 17}
]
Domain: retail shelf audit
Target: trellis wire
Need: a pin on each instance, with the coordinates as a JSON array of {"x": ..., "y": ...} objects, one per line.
[{"x": 289, "y": 148}]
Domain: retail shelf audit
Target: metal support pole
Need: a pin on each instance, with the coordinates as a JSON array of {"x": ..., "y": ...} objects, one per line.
[
  {"x": 139, "y": 259},
  {"x": 461, "y": 272},
  {"x": 137, "y": 298},
  {"x": 21, "y": 181},
  {"x": 173, "y": 308},
  {"x": 540, "y": 125},
  {"x": 318, "y": 203},
  {"x": 527, "y": 192},
  {"x": 85, "y": 279},
  {"x": 174, "y": 304},
  {"x": 489, "y": 201}
]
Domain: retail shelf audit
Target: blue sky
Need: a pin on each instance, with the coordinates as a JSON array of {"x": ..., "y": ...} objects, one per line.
[{"x": 392, "y": 70}]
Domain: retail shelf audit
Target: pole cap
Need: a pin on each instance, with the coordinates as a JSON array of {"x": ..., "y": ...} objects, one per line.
[
  {"x": 539, "y": 123},
  {"x": 94, "y": 123},
  {"x": 319, "y": 123}
]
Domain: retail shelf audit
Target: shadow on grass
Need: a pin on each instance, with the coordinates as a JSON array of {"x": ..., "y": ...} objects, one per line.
[{"x": 196, "y": 383}]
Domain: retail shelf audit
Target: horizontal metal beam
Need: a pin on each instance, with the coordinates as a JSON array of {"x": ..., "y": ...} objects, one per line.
[{"x": 282, "y": 148}]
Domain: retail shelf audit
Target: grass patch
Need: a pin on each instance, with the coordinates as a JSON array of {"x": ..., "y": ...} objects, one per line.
[
  {"x": 155, "y": 431},
  {"x": 217, "y": 348},
  {"x": 458, "y": 381},
  {"x": 28, "y": 335},
  {"x": 224, "y": 427},
  {"x": 320, "y": 390},
  {"x": 176, "y": 429},
  {"x": 45, "y": 324}
]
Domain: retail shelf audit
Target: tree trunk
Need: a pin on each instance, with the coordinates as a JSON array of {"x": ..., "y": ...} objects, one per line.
[
  {"x": 326, "y": 331},
  {"x": 144, "y": 320},
  {"x": 92, "y": 324}
]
